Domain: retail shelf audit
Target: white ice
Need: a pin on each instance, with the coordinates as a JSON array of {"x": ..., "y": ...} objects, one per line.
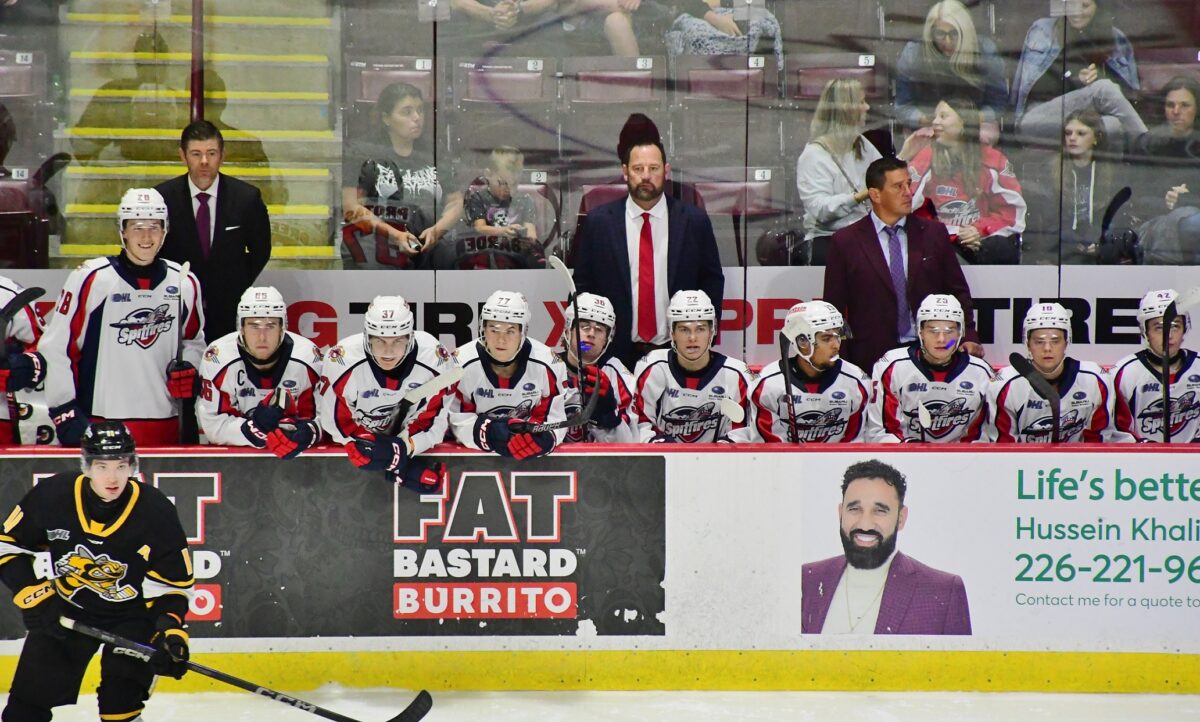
[{"x": 378, "y": 705}]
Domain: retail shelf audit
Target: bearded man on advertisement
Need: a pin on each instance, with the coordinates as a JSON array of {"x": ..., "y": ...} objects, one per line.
[{"x": 872, "y": 588}]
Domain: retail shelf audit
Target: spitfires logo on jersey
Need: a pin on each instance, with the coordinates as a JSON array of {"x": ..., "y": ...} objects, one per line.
[
  {"x": 815, "y": 425},
  {"x": 689, "y": 423},
  {"x": 376, "y": 419},
  {"x": 1040, "y": 429},
  {"x": 944, "y": 415},
  {"x": 1183, "y": 409},
  {"x": 81, "y": 569},
  {"x": 521, "y": 411},
  {"x": 144, "y": 326}
]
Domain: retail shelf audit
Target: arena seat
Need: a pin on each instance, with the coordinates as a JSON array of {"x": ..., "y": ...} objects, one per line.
[
  {"x": 599, "y": 93},
  {"x": 366, "y": 77},
  {"x": 505, "y": 101},
  {"x": 745, "y": 195},
  {"x": 727, "y": 111}
]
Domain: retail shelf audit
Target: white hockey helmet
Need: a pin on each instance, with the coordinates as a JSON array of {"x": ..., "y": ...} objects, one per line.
[
  {"x": 261, "y": 302},
  {"x": 388, "y": 316},
  {"x": 691, "y": 306},
  {"x": 941, "y": 307},
  {"x": 507, "y": 307},
  {"x": 591, "y": 308},
  {"x": 1154, "y": 305},
  {"x": 142, "y": 203},
  {"x": 1047, "y": 315},
  {"x": 806, "y": 319}
]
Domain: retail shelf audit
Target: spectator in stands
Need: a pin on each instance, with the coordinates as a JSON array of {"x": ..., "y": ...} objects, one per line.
[
  {"x": 1168, "y": 157},
  {"x": 951, "y": 59},
  {"x": 1095, "y": 71},
  {"x": 634, "y": 27},
  {"x": 394, "y": 205},
  {"x": 972, "y": 186},
  {"x": 502, "y": 216},
  {"x": 500, "y": 15},
  {"x": 637, "y": 250},
  {"x": 503, "y": 27},
  {"x": 832, "y": 165},
  {"x": 1079, "y": 183},
  {"x": 696, "y": 34}
]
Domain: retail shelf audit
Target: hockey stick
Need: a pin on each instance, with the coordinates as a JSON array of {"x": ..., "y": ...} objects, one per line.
[
  {"x": 785, "y": 363},
  {"x": 415, "y": 710},
  {"x": 184, "y": 269},
  {"x": 1119, "y": 199},
  {"x": 415, "y": 396},
  {"x": 732, "y": 410},
  {"x": 1043, "y": 388},
  {"x": 23, "y": 298},
  {"x": 924, "y": 419}
]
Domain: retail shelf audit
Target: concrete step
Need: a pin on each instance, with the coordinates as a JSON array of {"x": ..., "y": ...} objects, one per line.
[
  {"x": 240, "y": 71},
  {"x": 98, "y": 184},
  {"x": 162, "y": 107},
  {"x": 223, "y": 33},
  {"x": 211, "y": 7},
  {"x": 162, "y": 145}
]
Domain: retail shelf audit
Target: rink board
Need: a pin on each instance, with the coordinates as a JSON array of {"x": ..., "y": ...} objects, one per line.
[{"x": 1081, "y": 567}]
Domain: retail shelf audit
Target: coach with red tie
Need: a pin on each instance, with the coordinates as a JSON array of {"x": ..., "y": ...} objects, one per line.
[
  {"x": 639, "y": 250},
  {"x": 218, "y": 223}
]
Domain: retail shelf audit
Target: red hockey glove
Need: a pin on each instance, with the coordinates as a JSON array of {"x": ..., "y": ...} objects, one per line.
[
  {"x": 606, "y": 415},
  {"x": 182, "y": 379},
  {"x": 380, "y": 453},
  {"x": 523, "y": 446},
  {"x": 289, "y": 443},
  {"x": 422, "y": 478}
]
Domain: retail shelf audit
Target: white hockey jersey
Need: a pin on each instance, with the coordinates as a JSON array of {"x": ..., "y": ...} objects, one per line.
[
  {"x": 622, "y": 385},
  {"x": 673, "y": 402},
  {"x": 831, "y": 408},
  {"x": 113, "y": 334},
  {"x": 358, "y": 399},
  {"x": 956, "y": 398},
  {"x": 230, "y": 385},
  {"x": 1020, "y": 415},
  {"x": 24, "y": 330},
  {"x": 1137, "y": 389},
  {"x": 534, "y": 393}
]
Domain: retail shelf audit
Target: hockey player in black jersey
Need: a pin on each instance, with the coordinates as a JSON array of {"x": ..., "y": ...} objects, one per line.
[{"x": 118, "y": 560}]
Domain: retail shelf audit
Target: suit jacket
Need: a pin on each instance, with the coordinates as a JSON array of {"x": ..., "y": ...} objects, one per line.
[
  {"x": 602, "y": 264},
  {"x": 917, "y": 599},
  {"x": 240, "y": 247},
  {"x": 858, "y": 283}
]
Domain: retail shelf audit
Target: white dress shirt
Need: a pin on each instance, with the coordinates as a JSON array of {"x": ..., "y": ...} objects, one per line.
[{"x": 633, "y": 240}]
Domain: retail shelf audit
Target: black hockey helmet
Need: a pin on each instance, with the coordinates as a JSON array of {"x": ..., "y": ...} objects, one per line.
[{"x": 108, "y": 440}]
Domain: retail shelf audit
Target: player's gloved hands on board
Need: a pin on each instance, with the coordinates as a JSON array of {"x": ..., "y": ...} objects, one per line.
[
  {"x": 493, "y": 435},
  {"x": 40, "y": 609},
  {"x": 379, "y": 453},
  {"x": 182, "y": 380},
  {"x": 260, "y": 422},
  {"x": 288, "y": 443},
  {"x": 663, "y": 439},
  {"x": 524, "y": 445},
  {"x": 170, "y": 647},
  {"x": 23, "y": 371},
  {"x": 421, "y": 477},
  {"x": 596, "y": 381},
  {"x": 69, "y": 422}
]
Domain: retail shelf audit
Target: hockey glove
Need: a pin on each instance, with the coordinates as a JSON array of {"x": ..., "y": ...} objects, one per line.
[
  {"x": 595, "y": 381},
  {"x": 523, "y": 446},
  {"x": 70, "y": 422},
  {"x": 40, "y": 608},
  {"x": 23, "y": 371},
  {"x": 287, "y": 444},
  {"x": 182, "y": 380},
  {"x": 170, "y": 647},
  {"x": 381, "y": 453},
  {"x": 260, "y": 422},
  {"x": 422, "y": 478},
  {"x": 493, "y": 435}
]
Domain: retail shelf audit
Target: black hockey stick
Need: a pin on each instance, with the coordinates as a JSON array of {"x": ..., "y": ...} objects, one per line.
[
  {"x": 1043, "y": 388},
  {"x": 415, "y": 710},
  {"x": 1119, "y": 199},
  {"x": 785, "y": 363},
  {"x": 23, "y": 298}
]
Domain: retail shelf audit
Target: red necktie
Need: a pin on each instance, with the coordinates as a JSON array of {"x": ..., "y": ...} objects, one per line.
[
  {"x": 647, "y": 321},
  {"x": 204, "y": 223}
]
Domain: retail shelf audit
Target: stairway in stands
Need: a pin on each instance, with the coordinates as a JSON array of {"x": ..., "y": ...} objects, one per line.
[{"x": 269, "y": 69}]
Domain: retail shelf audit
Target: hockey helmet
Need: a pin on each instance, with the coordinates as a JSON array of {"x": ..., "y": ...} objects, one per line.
[
  {"x": 806, "y": 319},
  {"x": 591, "y": 308},
  {"x": 1047, "y": 315},
  {"x": 504, "y": 307},
  {"x": 941, "y": 307},
  {"x": 261, "y": 302},
  {"x": 387, "y": 317},
  {"x": 108, "y": 440},
  {"x": 691, "y": 306},
  {"x": 1154, "y": 305},
  {"x": 142, "y": 203}
]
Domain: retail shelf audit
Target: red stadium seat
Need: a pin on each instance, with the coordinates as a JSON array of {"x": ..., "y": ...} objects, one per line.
[
  {"x": 505, "y": 101},
  {"x": 599, "y": 94},
  {"x": 728, "y": 111},
  {"x": 743, "y": 194}
]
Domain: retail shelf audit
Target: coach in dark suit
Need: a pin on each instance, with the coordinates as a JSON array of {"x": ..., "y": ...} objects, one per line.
[
  {"x": 218, "y": 223},
  {"x": 881, "y": 267},
  {"x": 641, "y": 249},
  {"x": 872, "y": 588}
]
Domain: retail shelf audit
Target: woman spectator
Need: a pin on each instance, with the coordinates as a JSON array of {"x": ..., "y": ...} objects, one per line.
[
  {"x": 1081, "y": 182},
  {"x": 392, "y": 191},
  {"x": 972, "y": 186},
  {"x": 1095, "y": 71},
  {"x": 832, "y": 168},
  {"x": 1169, "y": 156},
  {"x": 950, "y": 60}
]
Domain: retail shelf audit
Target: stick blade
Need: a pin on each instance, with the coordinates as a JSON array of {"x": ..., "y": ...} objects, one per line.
[
  {"x": 732, "y": 410},
  {"x": 924, "y": 417},
  {"x": 416, "y": 709}
]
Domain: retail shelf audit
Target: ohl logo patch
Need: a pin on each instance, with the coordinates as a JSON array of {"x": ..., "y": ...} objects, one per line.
[
  {"x": 102, "y": 574},
  {"x": 144, "y": 326}
]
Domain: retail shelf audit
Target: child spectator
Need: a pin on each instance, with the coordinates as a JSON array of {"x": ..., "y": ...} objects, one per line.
[{"x": 502, "y": 217}]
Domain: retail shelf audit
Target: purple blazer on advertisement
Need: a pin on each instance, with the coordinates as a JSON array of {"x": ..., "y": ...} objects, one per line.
[{"x": 917, "y": 599}]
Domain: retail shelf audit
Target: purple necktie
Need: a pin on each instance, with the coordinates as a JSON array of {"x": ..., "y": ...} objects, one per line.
[
  {"x": 204, "y": 223},
  {"x": 899, "y": 282}
]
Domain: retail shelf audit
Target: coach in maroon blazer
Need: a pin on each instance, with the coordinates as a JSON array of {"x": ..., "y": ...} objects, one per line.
[
  {"x": 873, "y": 587},
  {"x": 858, "y": 277}
]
